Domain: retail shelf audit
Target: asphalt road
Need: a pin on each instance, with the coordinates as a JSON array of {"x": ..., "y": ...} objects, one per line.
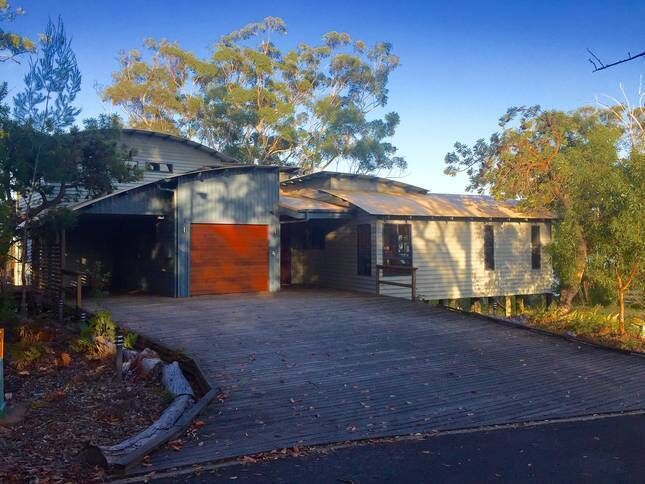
[{"x": 608, "y": 450}]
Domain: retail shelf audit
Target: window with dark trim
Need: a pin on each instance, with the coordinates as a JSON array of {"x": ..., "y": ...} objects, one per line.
[
  {"x": 364, "y": 250},
  {"x": 489, "y": 247},
  {"x": 397, "y": 246},
  {"x": 159, "y": 167},
  {"x": 536, "y": 247}
]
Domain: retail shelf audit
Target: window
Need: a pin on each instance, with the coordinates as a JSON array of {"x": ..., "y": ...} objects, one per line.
[
  {"x": 364, "y": 250},
  {"x": 536, "y": 247},
  {"x": 489, "y": 247},
  {"x": 397, "y": 246},
  {"x": 159, "y": 167}
]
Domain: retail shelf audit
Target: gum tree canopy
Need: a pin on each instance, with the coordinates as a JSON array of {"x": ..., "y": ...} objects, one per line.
[
  {"x": 311, "y": 106},
  {"x": 552, "y": 160}
]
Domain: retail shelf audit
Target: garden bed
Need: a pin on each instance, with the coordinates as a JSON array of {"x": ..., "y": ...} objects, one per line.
[
  {"x": 594, "y": 324},
  {"x": 67, "y": 398}
]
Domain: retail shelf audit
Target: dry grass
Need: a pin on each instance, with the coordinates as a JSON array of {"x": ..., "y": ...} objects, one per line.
[{"x": 593, "y": 323}]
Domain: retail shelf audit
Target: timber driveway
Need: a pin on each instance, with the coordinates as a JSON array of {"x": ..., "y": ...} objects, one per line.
[{"x": 303, "y": 367}]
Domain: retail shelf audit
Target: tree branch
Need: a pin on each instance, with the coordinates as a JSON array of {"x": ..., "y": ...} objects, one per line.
[{"x": 607, "y": 66}]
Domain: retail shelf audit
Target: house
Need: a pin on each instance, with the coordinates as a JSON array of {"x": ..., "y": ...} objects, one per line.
[{"x": 201, "y": 223}]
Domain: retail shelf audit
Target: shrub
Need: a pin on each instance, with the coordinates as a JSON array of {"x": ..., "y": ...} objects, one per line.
[
  {"x": 130, "y": 339},
  {"x": 102, "y": 325},
  {"x": 23, "y": 354},
  {"x": 82, "y": 344}
]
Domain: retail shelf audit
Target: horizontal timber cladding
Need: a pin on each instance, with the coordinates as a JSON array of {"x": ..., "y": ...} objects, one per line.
[
  {"x": 146, "y": 149},
  {"x": 246, "y": 196},
  {"x": 337, "y": 264},
  {"x": 449, "y": 256},
  {"x": 227, "y": 258},
  {"x": 154, "y": 149}
]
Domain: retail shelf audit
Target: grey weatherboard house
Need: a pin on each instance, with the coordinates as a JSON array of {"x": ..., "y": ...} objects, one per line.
[{"x": 201, "y": 223}]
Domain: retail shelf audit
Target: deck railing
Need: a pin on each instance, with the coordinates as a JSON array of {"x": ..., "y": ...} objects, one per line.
[{"x": 403, "y": 270}]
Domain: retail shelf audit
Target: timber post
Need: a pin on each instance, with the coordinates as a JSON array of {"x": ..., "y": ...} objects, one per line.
[
  {"x": 475, "y": 305},
  {"x": 508, "y": 306},
  {"x": 519, "y": 300},
  {"x": 492, "y": 305}
]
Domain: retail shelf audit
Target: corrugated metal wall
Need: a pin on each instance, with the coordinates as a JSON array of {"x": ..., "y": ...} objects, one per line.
[
  {"x": 149, "y": 200},
  {"x": 449, "y": 256},
  {"x": 228, "y": 197}
]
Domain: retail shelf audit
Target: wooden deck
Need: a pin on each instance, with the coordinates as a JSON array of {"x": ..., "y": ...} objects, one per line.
[{"x": 304, "y": 367}]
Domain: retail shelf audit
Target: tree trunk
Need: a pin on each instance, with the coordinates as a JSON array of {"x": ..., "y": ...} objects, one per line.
[
  {"x": 569, "y": 291},
  {"x": 23, "y": 271},
  {"x": 621, "y": 311}
]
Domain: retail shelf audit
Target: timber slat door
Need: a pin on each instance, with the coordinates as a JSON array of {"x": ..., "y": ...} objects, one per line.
[{"x": 227, "y": 258}]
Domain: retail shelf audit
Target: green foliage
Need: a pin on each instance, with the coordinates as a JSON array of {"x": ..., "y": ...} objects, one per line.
[
  {"x": 309, "y": 106},
  {"x": 24, "y": 353},
  {"x": 570, "y": 163},
  {"x": 29, "y": 348},
  {"x": 51, "y": 85},
  {"x": 56, "y": 168},
  {"x": 594, "y": 323},
  {"x": 12, "y": 44},
  {"x": 100, "y": 328},
  {"x": 82, "y": 344},
  {"x": 130, "y": 340},
  {"x": 101, "y": 324}
]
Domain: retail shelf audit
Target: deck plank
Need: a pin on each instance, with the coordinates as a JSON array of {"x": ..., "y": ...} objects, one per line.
[{"x": 303, "y": 367}]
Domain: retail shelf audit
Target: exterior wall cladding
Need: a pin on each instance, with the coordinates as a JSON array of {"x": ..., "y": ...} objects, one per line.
[
  {"x": 228, "y": 197},
  {"x": 449, "y": 256}
]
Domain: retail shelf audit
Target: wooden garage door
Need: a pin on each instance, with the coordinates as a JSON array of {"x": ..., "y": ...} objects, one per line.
[{"x": 228, "y": 258}]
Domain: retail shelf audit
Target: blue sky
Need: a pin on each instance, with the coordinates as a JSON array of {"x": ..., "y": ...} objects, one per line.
[{"x": 462, "y": 63}]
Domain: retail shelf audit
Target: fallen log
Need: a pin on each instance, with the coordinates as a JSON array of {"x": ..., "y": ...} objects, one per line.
[
  {"x": 149, "y": 368},
  {"x": 174, "y": 381},
  {"x": 164, "y": 428},
  {"x": 173, "y": 420}
]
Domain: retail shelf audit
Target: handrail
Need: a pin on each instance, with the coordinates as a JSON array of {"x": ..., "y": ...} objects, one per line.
[{"x": 412, "y": 271}]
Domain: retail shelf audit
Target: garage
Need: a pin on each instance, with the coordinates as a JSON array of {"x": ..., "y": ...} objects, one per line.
[{"x": 228, "y": 258}]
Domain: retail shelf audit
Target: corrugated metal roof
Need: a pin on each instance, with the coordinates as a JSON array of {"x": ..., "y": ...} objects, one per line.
[
  {"x": 433, "y": 205},
  {"x": 300, "y": 203},
  {"x": 328, "y": 174}
]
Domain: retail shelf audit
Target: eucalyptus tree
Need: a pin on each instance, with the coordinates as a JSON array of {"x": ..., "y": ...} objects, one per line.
[
  {"x": 547, "y": 159},
  {"x": 12, "y": 44},
  {"x": 311, "y": 106}
]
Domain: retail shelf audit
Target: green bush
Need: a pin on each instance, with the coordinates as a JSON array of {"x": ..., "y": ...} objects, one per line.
[
  {"x": 130, "y": 339},
  {"x": 102, "y": 325},
  {"x": 82, "y": 344},
  {"x": 24, "y": 353}
]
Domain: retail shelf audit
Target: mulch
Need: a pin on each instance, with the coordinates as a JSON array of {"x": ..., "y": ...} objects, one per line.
[{"x": 69, "y": 400}]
